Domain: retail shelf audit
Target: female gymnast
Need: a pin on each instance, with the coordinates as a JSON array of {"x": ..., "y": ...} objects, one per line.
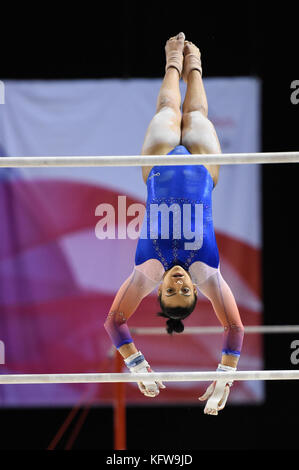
[{"x": 171, "y": 262}]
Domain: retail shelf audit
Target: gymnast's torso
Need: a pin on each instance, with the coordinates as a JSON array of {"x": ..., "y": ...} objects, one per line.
[{"x": 178, "y": 225}]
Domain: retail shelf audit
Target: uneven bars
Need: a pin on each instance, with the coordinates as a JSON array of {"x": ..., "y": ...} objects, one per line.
[
  {"x": 151, "y": 160},
  {"x": 159, "y": 376},
  {"x": 217, "y": 329}
]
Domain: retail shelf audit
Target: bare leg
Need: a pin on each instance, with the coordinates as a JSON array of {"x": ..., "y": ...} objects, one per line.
[
  {"x": 195, "y": 98},
  {"x": 198, "y": 133},
  {"x": 164, "y": 131}
]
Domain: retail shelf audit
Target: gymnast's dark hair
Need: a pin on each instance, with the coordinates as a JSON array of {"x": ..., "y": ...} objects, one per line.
[{"x": 175, "y": 315}]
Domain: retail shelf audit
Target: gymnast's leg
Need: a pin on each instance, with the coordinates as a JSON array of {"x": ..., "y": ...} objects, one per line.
[
  {"x": 164, "y": 131},
  {"x": 198, "y": 133}
]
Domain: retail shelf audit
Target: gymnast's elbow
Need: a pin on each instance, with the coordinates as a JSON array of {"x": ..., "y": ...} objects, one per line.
[
  {"x": 238, "y": 328},
  {"x": 114, "y": 321},
  {"x": 109, "y": 322}
]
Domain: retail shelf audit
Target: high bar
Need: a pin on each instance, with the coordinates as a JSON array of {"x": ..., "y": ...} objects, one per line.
[
  {"x": 151, "y": 160},
  {"x": 160, "y": 376}
]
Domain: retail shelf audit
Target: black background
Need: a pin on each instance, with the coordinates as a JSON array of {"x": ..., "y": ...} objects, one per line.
[{"x": 127, "y": 41}]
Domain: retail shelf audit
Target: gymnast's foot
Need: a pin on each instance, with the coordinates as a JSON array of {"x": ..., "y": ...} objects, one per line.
[
  {"x": 174, "y": 52},
  {"x": 192, "y": 60}
]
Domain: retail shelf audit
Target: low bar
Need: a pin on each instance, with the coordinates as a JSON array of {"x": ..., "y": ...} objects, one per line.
[{"x": 160, "y": 376}]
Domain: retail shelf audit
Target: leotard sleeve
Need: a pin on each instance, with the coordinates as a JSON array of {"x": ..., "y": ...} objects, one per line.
[
  {"x": 143, "y": 280},
  {"x": 212, "y": 285}
]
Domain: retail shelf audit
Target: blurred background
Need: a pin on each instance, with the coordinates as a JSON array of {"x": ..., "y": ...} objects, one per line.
[{"x": 86, "y": 84}]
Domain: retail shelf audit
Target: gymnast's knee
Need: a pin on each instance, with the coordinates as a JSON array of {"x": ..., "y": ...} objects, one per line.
[
  {"x": 198, "y": 133},
  {"x": 163, "y": 133}
]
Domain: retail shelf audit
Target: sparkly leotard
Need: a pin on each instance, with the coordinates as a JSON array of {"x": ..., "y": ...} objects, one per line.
[
  {"x": 179, "y": 204},
  {"x": 177, "y": 230}
]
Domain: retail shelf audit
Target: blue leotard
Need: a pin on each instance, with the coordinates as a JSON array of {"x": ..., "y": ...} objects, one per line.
[
  {"x": 187, "y": 191},
  {"x": 175, "y": 187}
]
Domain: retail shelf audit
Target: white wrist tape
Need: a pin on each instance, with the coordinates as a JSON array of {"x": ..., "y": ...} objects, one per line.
[
  {"x": 219, "y": 396},
  {"x": 223, "y": 368},
  {"x": 136, "y": 362}
]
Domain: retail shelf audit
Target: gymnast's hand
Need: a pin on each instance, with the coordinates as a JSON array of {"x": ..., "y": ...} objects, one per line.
[
  {"x": 217, "y": 393},
  {"x": 136, "y": 363}
]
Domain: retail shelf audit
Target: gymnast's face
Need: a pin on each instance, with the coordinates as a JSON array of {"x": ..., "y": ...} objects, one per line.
[{"x": 177, "y": 289}]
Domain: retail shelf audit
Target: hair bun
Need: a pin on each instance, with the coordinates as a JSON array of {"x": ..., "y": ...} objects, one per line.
[{"x": 174, "y": 325}]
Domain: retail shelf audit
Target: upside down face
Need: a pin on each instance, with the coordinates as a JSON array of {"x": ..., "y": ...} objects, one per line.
[{"x": 177, "y": 289}]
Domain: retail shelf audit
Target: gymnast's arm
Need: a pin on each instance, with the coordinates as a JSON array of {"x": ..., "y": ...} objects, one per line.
[
  {"x": 130, "y": 294},
  {"x": 223, "y": 301},
  {"x": 225, "y": 307}
]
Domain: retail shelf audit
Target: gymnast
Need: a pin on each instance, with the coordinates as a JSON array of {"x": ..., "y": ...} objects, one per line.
[{"x": 167, "y": 262}]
